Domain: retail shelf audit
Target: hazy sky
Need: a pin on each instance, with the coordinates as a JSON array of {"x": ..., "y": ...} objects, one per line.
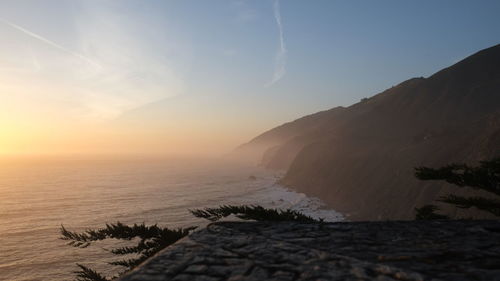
[{"x": 119, "y": 76}]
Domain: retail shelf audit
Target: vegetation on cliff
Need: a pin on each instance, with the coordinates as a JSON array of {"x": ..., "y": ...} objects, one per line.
[{"x": 484, "y": 177}]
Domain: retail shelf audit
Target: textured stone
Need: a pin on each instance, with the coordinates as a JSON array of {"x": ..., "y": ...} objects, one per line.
[{"x": 385, "y": 251}]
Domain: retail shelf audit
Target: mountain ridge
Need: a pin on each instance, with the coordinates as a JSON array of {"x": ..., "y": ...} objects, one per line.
[{"x": 360, "y": 158}]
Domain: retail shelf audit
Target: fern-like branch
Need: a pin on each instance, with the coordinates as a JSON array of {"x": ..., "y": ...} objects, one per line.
[
  {"x": 481, "y": 203},
  {"x": 152, "y": 240},
  {"x": 486, "y": 176},
  {"x": 252, "y": 212},
  {"x": 88, "y": 274},
  {"x": 428, "y": 212}
]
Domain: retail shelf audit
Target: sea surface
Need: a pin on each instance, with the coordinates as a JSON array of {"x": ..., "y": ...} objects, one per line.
[{"x": 38, "y": 195}]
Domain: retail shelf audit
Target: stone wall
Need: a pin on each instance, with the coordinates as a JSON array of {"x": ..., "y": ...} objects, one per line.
[{"x": 395, "y": 250}]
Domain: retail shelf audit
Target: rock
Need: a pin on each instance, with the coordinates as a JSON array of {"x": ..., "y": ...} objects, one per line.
[{"x": 385, "y": 251}]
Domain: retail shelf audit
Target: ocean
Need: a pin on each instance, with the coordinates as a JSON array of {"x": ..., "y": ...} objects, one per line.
[{"x": 37, "y": 196}]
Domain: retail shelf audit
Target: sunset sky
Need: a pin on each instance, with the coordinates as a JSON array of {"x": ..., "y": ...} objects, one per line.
[{"x": 201, "y": 77}]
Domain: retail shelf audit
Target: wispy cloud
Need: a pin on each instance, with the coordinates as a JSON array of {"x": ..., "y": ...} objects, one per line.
[
  {"x": 136, "y": 70},
  {"x": 49, "y": 42},
  {"x": 280, "y": 59},
  {"x": 117, "y": 64}
]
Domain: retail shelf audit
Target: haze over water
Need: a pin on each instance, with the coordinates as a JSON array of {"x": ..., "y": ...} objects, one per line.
[{"x": 39, "y": 195}]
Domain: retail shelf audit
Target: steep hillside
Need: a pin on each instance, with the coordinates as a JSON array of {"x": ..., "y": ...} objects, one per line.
[
  {"x": 361, "y": 159},
  {"x": 262, "y": 148}
]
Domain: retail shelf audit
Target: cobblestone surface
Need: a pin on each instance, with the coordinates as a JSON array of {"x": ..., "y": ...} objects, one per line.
[{"x": 408, "y": 251}]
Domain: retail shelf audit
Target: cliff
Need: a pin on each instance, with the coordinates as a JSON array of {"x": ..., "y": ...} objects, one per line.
[
  {"x": 360, "y": 159},
  {"x": 272, "y": 148}
]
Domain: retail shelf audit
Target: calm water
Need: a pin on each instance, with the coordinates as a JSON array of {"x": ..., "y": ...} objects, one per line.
[{"x": 37, "y": 196}]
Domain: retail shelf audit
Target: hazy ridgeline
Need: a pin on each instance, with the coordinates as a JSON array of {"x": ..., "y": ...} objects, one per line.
[{"x": 360, "y": 158}]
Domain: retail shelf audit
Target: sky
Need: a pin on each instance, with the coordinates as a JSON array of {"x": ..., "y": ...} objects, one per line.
[{"x": 202, "y": 77}]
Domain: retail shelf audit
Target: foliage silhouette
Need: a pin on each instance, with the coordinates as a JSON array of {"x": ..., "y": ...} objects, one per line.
[
  {"x": 428, "y": 212},
  {"x": 252, "y": 212},
  {"x": 88, "y": 274},
  {"x": 153, "y": 238},
  {"x": 484, "y": 177}
]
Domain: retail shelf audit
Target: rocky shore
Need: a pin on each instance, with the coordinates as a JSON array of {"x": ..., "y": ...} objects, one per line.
[
  {"x": 358, "y": 158},
  {"x": 392, "y": 250}
]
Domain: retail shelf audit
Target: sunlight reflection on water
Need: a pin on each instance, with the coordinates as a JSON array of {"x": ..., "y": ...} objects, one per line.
[{"x": 37, "y": 197}]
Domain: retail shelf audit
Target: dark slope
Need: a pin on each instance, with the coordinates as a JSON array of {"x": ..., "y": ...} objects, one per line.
[
  {"x": 361, "y": 160},
  {"x": 262, "y": 148}
]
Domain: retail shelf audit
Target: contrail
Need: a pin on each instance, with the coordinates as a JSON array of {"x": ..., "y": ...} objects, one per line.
[
  {"x": 51, "y": 43},
  {"x": 280, "y": 59}
]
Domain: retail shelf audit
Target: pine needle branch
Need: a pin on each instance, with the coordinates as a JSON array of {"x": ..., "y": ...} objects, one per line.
[
  {"x": 428, "y": 212},
  {"x": 120, "y": 231},
  {"x": 152, "y": 240},
  {"x": 88, "y": 274},
  {"x": 486, "y": 176},
  {"x": 481, "y": 203},
  {"x": 252, "y": 212}
]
